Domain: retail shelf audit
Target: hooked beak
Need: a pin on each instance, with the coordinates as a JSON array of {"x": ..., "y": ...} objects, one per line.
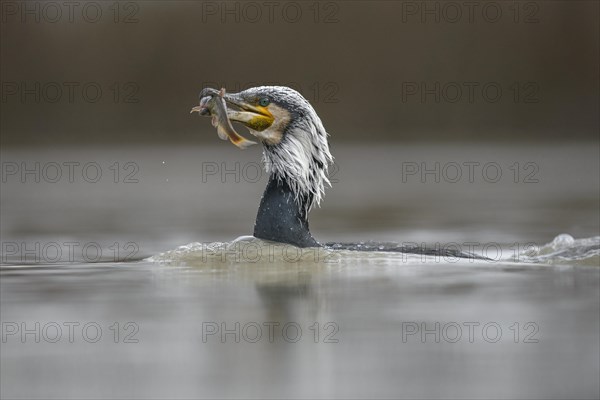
[{"x": 253, "y": 116}]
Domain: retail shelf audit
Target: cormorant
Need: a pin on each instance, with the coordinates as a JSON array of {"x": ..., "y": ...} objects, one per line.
[{"x": 296, "y": 156}]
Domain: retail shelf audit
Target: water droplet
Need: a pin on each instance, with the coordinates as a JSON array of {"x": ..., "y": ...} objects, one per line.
[{"x": 563, "y": 241}]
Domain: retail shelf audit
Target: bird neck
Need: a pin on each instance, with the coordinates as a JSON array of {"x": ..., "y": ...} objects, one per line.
[{"x": 281, "y": 217}]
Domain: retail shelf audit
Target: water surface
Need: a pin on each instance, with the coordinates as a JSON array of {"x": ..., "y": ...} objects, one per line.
[{"x": 380, "y": 325}]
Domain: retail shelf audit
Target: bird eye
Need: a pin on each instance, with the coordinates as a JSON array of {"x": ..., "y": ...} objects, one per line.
[{"x": 264, "y": 102}]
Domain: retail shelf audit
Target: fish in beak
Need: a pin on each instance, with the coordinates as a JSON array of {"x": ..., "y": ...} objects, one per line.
[{"x": 213, "y": 104}]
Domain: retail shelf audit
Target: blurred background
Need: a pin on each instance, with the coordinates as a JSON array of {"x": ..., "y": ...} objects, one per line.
[{"x": 128, "y": 72}]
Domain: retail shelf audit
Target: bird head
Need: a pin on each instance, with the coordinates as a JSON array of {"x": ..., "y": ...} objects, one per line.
[{"x": 295, "y": 147}]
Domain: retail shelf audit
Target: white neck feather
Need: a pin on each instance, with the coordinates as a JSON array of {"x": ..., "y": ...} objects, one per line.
[{"x": 302, "y": 159}]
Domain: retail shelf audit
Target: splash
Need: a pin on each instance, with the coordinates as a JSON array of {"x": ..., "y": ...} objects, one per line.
[
  {"x": 565, "y": 250},
  {"x": 246, "y": 250},
  {"x": 251, "y": 250}
]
